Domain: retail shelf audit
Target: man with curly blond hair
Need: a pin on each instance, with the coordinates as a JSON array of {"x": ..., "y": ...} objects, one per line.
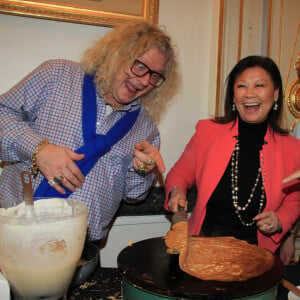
[{"x": 88, "y": 130}]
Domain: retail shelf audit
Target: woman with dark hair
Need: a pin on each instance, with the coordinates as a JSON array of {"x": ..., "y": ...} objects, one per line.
[
  {"x": 270, "y": 67},
  {"x": 238, "y": 162}
]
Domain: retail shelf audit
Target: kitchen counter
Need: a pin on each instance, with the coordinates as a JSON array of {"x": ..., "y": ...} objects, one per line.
[
  {"x": 154, "y": 204},
  {"x": 105, "y": 284}
]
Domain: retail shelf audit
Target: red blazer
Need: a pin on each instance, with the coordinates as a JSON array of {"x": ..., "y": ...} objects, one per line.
[{"x": 206, "y": 157}]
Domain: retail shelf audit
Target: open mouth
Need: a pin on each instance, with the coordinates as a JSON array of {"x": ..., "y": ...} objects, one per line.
[
  {"x": 252, "y": 108},
  {"x": 249, "y": 105},
  {"x": 131, "y": 87}
]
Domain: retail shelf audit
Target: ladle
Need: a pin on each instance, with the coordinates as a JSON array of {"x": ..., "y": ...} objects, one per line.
[{"x": 28, "y": 194}]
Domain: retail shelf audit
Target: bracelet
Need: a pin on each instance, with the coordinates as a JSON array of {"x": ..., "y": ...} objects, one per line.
[
  {"x": 34, "y": 166},
  {"x": 173, "y": 188}
]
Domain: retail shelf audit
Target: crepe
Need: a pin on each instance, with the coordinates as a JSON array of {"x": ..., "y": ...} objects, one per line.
[
  {"x": 177, "y": 237},
  {"x": 224, "y": 259},
  {"x": 217, "y": 258}
]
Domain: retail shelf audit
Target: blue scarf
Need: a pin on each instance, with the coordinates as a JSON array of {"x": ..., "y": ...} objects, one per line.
[{"x": 95, "y": 145}]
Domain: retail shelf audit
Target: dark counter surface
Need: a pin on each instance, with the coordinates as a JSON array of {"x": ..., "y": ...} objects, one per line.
[
  {"x": 154, "y": 203},
  {"x": 104, "y": 284}
]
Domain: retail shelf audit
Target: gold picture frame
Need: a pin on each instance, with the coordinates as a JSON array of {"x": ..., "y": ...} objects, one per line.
[{"x": 109, "y": 13}]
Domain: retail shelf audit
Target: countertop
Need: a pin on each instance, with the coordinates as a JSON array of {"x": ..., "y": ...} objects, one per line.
[{"x": 105, "y": 284}]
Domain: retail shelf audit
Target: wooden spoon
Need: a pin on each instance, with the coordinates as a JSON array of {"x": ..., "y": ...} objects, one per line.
[{"x": 289, "y": 286}]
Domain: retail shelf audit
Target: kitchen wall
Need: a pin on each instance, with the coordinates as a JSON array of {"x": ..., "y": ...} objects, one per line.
[
  {"x": 263, "y": 27},
  {"x": 193, "y": 24}
]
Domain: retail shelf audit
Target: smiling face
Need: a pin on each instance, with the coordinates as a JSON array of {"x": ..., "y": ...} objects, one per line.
[
  {"x": 254, "y": 94},
  {"x": 128, "y": 87}
]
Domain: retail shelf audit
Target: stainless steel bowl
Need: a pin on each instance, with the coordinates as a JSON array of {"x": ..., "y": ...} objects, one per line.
[{"x": 88, "y": 263}]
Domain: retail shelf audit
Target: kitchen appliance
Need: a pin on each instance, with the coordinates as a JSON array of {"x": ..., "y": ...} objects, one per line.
[
  {"x": 149, "y": 273},
  {"x": 39, "y": 255}
]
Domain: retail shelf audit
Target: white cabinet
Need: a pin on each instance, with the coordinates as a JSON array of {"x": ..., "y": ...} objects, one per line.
[{"x": 130, "y": 229}]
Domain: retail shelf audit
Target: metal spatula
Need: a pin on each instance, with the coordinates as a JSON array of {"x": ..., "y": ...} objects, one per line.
[
  {"x": 179, "y": 216},
  {"x": 28, "y": 194}
]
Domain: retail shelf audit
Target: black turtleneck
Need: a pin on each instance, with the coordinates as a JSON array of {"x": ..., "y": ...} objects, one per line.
[{"x": 221, "y": 219}]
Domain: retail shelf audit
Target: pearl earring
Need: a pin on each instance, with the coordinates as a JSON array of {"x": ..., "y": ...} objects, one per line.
[
  {"x": 233, "y": 106},
  {"x": 275, "y": 107}
]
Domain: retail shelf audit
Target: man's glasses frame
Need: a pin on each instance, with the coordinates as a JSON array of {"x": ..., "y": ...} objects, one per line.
[{"x": 140, "y": 69}]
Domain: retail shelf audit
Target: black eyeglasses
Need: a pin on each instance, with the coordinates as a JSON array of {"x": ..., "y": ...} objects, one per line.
[{"x": 139, "y": 69}]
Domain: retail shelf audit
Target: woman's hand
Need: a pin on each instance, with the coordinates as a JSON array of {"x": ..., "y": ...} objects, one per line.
[
  {"x": 267, "y": 222},
  {"x": 177, "y": 198},
  {"x": 291, "y": 177},
  {"x": 58, "y": 162},
  {"x": 146, "y": 158},
  {"x": 287, "y": 249}
]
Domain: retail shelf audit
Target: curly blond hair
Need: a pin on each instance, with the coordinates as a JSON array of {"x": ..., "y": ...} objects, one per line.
[{"x": 120, "y": 47}]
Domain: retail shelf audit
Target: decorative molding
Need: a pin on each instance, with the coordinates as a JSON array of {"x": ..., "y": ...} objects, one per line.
[
  {"x": 83, "y": 14},
  {"x": 219, "y": 58},
  {"x": 240, "y": 29},
  {"x": 269, "y": 28}
]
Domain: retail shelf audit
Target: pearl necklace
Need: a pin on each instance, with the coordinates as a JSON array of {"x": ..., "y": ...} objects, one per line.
[{"x": 234, "y": 186}]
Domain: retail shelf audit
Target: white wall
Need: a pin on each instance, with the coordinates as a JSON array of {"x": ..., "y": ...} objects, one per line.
[
  {"x": 193, "y": 24},
  {"x": 26, "y": 42}
]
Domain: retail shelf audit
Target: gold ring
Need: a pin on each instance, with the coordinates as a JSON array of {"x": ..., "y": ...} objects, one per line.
[
  {"x": 142, "y": 168},
  {"x": 58, "y": 180},
  {"x": 61, "y": 178},
  {"x": 151, "y": 161}
]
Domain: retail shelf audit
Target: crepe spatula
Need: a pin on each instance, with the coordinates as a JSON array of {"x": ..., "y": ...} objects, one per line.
[{"x": 179, "y": 216}]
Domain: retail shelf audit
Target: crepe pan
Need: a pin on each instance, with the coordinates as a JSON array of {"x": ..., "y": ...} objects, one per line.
[{"x": 146, "y": 265}]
